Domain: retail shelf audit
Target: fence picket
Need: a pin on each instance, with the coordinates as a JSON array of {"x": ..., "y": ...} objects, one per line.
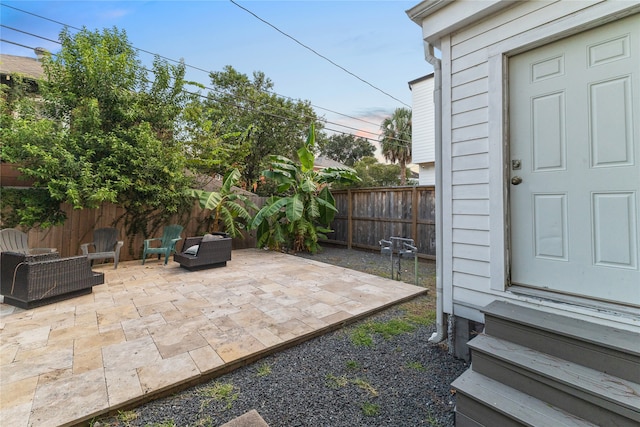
[{"x": 365, "y": 215}]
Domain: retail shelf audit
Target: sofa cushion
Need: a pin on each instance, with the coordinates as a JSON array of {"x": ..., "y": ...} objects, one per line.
[
  {"x": 192, "y": 250},
  {"x": 209, "y": 237}
]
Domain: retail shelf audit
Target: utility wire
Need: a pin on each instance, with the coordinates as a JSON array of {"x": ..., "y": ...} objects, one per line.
[
  {"x": 29, "y": 34},
  {"x": 15, "y": 43},
  {"x": 209, "y": 88},
  {"x": 188, "y": 65},
  {"x": 244, "y": 107},
  {"x": 318, "y": 54},
  {"x": 247, "y": 107}
]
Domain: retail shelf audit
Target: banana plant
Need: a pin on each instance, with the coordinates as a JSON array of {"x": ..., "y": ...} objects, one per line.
[
  {"x": 229, "y": 209},
  {"x": 304, "y": 209}
]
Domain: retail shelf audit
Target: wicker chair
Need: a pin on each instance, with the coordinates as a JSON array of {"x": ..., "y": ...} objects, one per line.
[
  {"x": 105, "y": 244},
  {"x": 205, "y": 252},
  {"x": 28, "y": 281}
]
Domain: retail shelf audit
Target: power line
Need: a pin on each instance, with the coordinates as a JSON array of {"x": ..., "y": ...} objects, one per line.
[
  {"x": 15, "y": 43},
  {"x": 244, "y": 107},
  {"x": 318, "y": 54},
  {"x": 187, "y": 65},
  {"x": 29, "y": 34},
  {"x": 255, "y": 109},
  {"x": 200, "y": 69}
]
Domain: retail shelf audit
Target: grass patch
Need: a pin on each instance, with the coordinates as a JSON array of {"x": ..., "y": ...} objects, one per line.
[
  {"x": 337, "y": 382},
  {"x": 432, "y": 421},
  {"x": 126, "y": 417},
  {"x": 370, "y": 409},
  {"x": 417, "y": 366},
  {"x": 219, "y": 392},
  {"x": 392, "y": 328},
  {"x": 420, "y": 311},
  {"x": 343, "y": 381},
  {"x": 353, "y": 365},
  {"x": 263, "y": 370},
  {"x": 362, "y": 335},
  {"x": 365, "y": 385},
  {"x": 425, "y": 319}
]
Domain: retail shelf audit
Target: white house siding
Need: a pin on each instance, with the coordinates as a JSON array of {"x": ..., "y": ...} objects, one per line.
[
  {"x": 427, "y": 174},
  {"x": 474, "y": 249},
  {"x": 423, "y": 129}
]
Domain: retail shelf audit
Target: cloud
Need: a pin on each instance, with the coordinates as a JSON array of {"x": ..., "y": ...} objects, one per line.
[
  {"x": 375, "y": 114},
  {"x": 115, "y": 13}
]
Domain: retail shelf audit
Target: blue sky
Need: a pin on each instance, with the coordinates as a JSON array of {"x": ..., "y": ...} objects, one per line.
[{"x": 374, "y": 40}]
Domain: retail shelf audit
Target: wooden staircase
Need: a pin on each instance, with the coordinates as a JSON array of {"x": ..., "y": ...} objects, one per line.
[{"x": 533, "y": 368}]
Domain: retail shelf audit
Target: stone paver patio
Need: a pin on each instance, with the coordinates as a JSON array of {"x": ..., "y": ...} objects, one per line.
[{"x": 152, "y": 329}]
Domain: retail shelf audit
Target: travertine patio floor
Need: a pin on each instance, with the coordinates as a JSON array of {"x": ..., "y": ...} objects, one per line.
[{"x": 153, "y": 328}]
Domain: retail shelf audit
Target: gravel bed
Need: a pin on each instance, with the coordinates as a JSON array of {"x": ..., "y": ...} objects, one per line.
[{"x": 338, "y": 379}]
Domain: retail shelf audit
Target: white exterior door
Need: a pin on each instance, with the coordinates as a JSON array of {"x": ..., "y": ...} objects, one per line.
[{"x": 575, "y": 145}]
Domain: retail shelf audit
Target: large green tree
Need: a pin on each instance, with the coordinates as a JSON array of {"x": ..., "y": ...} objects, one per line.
[
  {"x": 105, "y": 131},
  {"x": 346, "y": 148},
  {"x": 269, "y": 124},
  {"x": 376, "y": 174},
  {"x": 211, "y": 147},
  {"x": 395, "y": 139}
]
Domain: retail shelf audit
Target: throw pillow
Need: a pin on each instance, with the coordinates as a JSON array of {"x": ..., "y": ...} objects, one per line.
[{"x": 192, "y": 250}]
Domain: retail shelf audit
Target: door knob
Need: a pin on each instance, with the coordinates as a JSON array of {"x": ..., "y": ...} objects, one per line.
[{"x": 516, "y": 180}]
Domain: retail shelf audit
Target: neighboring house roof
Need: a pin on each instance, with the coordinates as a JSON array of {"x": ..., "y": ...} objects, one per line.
[
  {"x": 322, "y": 162},
  {"x": 214, "y": 183},
  {"x": 30, "y": 67},
  {"x": 419, "y": 79}
]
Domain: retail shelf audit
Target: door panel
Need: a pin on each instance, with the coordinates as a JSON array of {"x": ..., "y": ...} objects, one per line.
[
  {"x": 575, "y": 130},
  {"x": 611, "y": 123},
  {"x": 548, "y": 142},
  {"x": 550, "y": 221},
  {"x": 614, "y": 224}
]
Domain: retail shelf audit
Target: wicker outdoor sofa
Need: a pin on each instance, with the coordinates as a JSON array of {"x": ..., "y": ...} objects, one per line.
[
  {"x": 32, "y": 280},
  {"x": 211, "y": 250}
]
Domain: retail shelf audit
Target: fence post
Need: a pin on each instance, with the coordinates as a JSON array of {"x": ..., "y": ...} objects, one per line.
[
  {"x": 349, "y": 219},
  {"x": 414, "y": 215}
]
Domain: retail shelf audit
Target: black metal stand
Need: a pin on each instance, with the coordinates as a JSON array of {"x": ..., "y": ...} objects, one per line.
[{"x": 405, "y": 248}]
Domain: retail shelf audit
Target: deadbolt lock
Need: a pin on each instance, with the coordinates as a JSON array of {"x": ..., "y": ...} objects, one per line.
[{"x": 516, "y": 164}]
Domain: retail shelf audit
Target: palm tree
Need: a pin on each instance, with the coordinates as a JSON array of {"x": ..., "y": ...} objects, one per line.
[{"x": 395, "y": 140}]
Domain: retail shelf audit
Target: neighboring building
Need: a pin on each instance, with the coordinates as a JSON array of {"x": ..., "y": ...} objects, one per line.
[
  {"x": 29, "y": 68},
  {"x": 422, "y": 129},
  {"x": 323, "y": 162},
  {"x": 538, "y": 206}
]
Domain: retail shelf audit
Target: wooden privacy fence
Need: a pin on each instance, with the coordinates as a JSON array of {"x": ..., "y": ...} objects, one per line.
[
  {"x": 367, "y": 215},
  {"x": 79, "y": 226}
]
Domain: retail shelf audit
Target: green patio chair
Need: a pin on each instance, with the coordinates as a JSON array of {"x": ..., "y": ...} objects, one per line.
[{"x": 170, "y": 236}]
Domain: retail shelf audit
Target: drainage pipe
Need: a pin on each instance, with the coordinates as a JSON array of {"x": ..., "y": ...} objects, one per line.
[{"x": 440, "y": 333}]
